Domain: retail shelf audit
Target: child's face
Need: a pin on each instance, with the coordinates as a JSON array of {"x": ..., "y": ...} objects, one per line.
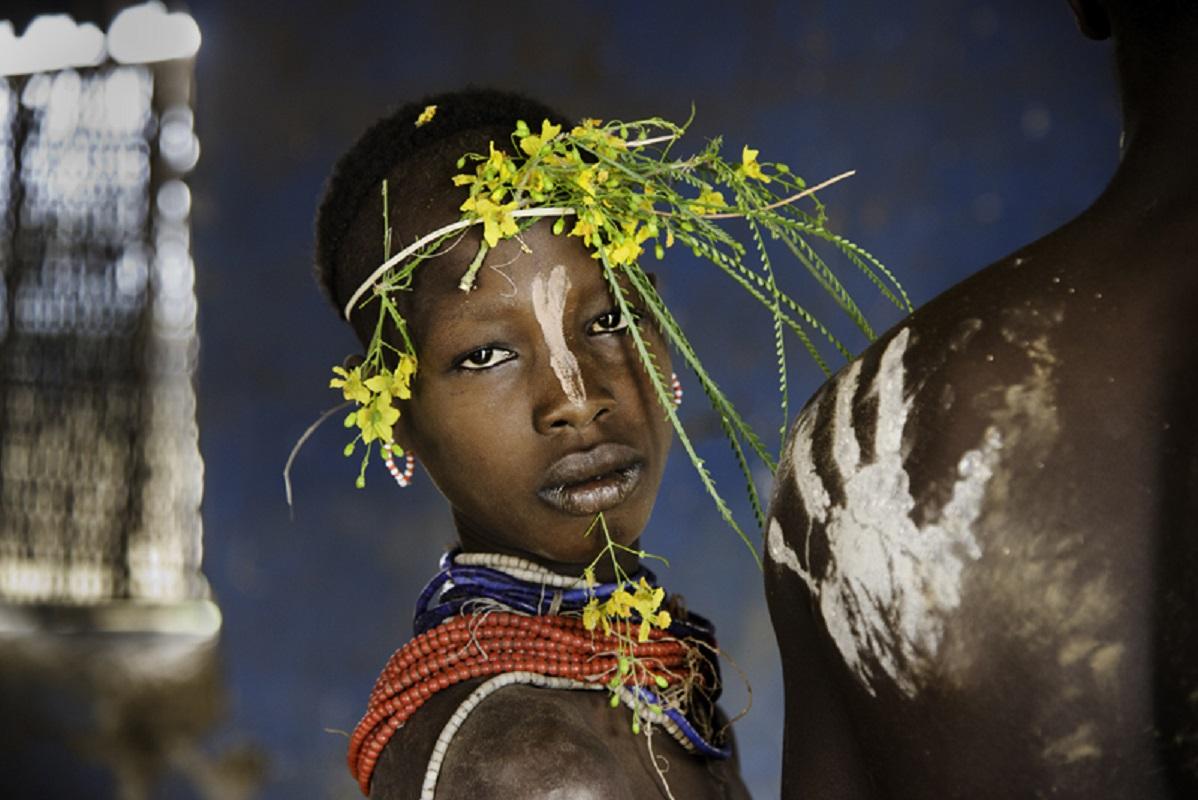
[{"x": 530, "y": 409}]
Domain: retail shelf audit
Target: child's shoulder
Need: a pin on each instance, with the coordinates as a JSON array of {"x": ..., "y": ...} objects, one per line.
[{"x": 520, "y": 741}]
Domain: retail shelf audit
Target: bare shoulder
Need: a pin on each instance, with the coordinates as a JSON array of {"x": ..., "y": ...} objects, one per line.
[
  {"x": 994, "y": 489},
  {"x": 528, "y": 742},
  {"x": 518, "y": 742},
  {"x": 546, "y": 744}
]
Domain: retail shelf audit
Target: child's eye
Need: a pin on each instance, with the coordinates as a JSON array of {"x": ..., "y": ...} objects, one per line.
[
  {"x": 485, "y": 358},
  {"x": 609, "y": 322}
]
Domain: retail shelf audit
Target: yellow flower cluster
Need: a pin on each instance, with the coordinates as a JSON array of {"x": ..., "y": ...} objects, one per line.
[
  {"x": 376, "y": 413},
  {"x": 579, "y": 170},
  {"x": 645, "y": 600},
  {"x": 585, "y": 170}
]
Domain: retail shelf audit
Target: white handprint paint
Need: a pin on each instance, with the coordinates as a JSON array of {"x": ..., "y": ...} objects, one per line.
[{"x": 888, "y": 583}]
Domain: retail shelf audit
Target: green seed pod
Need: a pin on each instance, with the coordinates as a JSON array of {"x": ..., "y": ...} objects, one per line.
[
  {"x": 360, "y": 482},
  {"x": 559, "y": 226}
]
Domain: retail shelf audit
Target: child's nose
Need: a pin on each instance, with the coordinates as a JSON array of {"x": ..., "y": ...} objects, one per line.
[{"x": 558, "y": 410}]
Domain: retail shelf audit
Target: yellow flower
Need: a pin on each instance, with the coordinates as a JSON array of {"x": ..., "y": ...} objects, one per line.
[
  {"x": 536, "y": 181},
  {"x": 643, "y": 634},
  {"x": 586, "y": 180},
  {"x": 749, "y": 165},
  {"x": 350, "y": 384},
  {"x": 391, "y": 384},
  {"x": 591, "y": 615},
  {"x": 624, "y": 252},
  {"x": 375, "y": 420},
  {"x": 619, "y": 604},
  {"x": 407, "y": 365},
  {"x": 426, "y": 116},
  {"x": 464, "y": 180},
  {"x": 498, "y": 222},
  {"x": 585, "y": 229},
  {"x": 708, "y": 202},
  {"x": 664, "y": 620},
  {"x": 532, "y": 143},
  {"x": 495, "y": 158},
  {"x": 588, "y": 577},
  {"x": 647, "y": 599}
]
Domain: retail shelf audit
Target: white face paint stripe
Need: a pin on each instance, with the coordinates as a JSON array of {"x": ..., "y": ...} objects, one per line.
[{"x": 549, "y": 305}]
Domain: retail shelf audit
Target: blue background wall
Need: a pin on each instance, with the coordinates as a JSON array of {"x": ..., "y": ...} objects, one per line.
[{"x": 974, "y": 127}]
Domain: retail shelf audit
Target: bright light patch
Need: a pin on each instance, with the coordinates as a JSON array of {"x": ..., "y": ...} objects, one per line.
[
  {"x": 138, "y": 35},
  {"x": 51, "y": 42},
  {"x": 148, "y": 33}
]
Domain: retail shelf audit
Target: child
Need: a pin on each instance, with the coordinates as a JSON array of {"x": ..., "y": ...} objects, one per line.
[{"x": 529, "y": 408}]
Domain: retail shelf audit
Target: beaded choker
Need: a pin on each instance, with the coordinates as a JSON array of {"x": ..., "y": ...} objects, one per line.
[{"x": 511, "y": 621}]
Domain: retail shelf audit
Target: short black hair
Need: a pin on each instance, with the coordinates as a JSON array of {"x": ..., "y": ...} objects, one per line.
[{"x": 396, "y": 139}]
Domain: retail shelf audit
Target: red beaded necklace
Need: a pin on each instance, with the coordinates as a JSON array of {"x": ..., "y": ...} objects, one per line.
[{"x": 486, "y": 644}]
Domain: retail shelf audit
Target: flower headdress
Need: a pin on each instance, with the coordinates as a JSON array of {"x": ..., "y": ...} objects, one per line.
[{"x": 619, "y": 188}]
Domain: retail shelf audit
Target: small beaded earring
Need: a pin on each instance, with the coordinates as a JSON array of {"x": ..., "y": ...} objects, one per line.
[
  {"x": 404, "y": 479},
  {"x": 676, "y": 386}
]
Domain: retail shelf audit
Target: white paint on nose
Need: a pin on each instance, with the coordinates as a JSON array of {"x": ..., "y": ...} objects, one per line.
[{"x": 549, "y": 305}]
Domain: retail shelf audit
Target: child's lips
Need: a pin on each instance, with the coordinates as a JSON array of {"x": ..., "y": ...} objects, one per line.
[{"x": 594, "y": 480}]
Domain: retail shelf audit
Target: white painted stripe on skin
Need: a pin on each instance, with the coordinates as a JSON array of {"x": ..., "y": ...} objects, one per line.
[
  {"x": 888, "y": 584},
  {"x": 781, "y": 553},
  {"x": 845, "y": 449},
  {"x": 811, "y": 487},
  {"x": 549, "y": 305}
]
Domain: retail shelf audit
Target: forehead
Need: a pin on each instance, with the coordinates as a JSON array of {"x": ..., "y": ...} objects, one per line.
[{"x": 504, "y": 284}]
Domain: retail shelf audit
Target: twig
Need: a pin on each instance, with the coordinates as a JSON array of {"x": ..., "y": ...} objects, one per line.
[
  {"x": 654, "y": 140},
  {"x": 300, "y": 443},
  {"x": 444, "y": 230},
  {"x": 661, "y": 773},
  {"x": 786, "y": 201}
]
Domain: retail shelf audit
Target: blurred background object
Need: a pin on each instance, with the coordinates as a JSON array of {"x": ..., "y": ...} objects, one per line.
[
  {"x": 107, "y": 632},
  {"x": 974, "y": 127}
]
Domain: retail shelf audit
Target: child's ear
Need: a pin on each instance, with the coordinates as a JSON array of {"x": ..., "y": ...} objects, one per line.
[{"x": 399, "y": 431}]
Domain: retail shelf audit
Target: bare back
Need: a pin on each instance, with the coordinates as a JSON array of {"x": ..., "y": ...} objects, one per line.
[{"x": 983, "y": 541}]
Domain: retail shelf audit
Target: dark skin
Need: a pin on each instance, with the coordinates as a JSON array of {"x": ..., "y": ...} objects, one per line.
[
  {"x": 492, "y": 416},
  {"x": 1012, "y": 612},
  {"x": 489, "y": 416}
]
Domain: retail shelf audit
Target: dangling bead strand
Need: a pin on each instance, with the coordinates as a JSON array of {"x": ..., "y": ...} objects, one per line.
[{"x": 404, "y": 479}]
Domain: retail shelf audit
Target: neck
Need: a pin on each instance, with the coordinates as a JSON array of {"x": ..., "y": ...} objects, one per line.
[
  {"x": 1160, "y": 126},
  {"x": 605, "y": 572}
]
